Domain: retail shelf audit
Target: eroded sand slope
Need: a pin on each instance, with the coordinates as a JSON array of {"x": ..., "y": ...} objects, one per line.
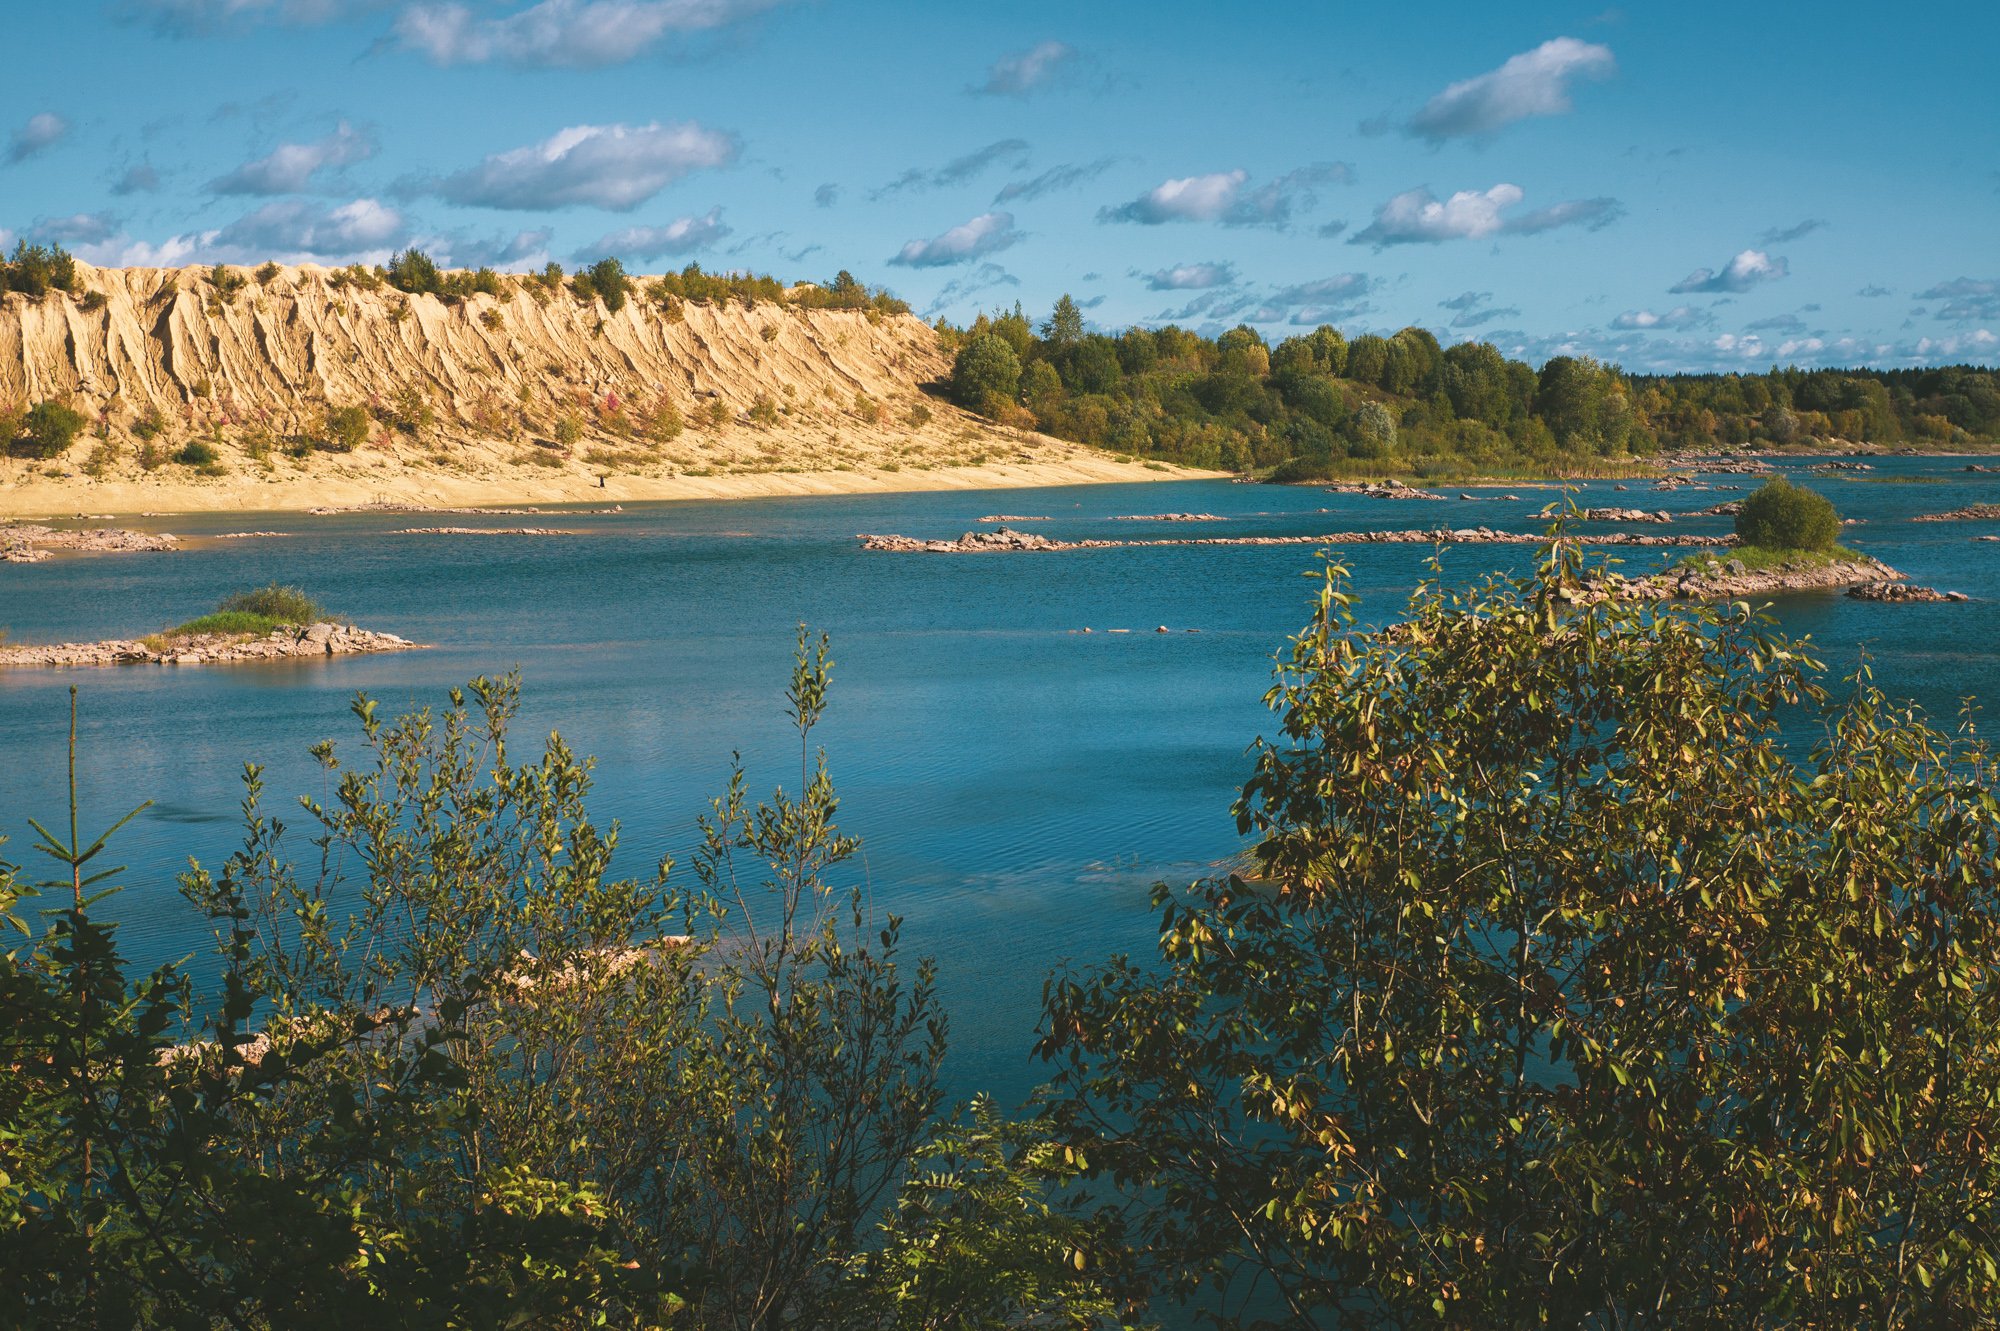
[{"x": 529, "y": 394}]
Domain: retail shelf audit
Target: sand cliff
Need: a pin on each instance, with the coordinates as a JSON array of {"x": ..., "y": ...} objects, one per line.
[{"x": 529, "y": 394}]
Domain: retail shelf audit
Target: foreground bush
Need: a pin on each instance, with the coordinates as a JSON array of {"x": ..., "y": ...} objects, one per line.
[
  {"x": 1783, "y": 516},
  {"x": 1565, "y": 991},
  {"x": 491, "y": 1085}
]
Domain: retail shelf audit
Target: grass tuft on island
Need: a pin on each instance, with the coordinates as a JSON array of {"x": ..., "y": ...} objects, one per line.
[
  {"x": 1766, "y": 559},
  {"x": 251, "y": 614}
]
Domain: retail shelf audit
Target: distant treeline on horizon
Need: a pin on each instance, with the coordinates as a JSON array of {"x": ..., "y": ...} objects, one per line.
[{"x": 1320, "y": 404}]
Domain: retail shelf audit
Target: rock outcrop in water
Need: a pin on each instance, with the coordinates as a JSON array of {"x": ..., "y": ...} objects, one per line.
[
  {"x": 323, "y": 639},
  {"x": 1731, "y": 581},
  {"x": 1006, "y": 539},
  {"x": 27, "y": 543},
  {"x": 1901, "y": 592},
  {"x": 1970, "y": 513}
]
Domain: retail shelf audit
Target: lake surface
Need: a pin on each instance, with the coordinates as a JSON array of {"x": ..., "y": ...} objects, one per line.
[{"x": 1018, "y": 785}]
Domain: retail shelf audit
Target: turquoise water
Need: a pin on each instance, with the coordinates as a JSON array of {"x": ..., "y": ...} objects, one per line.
[{"x": 1018, "y": 784}]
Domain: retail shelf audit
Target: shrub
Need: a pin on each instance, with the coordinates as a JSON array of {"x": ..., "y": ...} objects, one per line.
[
  {"x": 51, "y": 427},
  {"x": 414, "y": 271},
  {"x": 346, "y": 428},
  {"x": 606, "y": 280},
  {"x": 569, "y": 428},
  {"x": 918, "y": 416},
  {"x": 491, "y": 320},
  {"x": 1593, "y": 969},
  {"x": 268, "y": 274},
  {"x": 661, "y": 421},
  {"x": 275, "y": 601},
  {"x": 867, "y": 408},
  {"x": 36, "y": 270},
  {"x": 197, "y": 453},
  {"x": 764, "y": 411},
  {"x": 226, "y": 282},
  {"x": 1783, "y": 516},
  {"x": 715, "y": 413}
]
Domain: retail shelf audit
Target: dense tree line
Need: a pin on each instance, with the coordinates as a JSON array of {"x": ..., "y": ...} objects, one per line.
[{"x": 1323, "y": 404}]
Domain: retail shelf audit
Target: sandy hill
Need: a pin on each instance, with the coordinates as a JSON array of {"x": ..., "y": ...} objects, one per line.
[{"x": 530, "y": 393}]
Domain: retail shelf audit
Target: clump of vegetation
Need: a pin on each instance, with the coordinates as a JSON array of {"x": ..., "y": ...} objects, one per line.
[
  {"x": 225, "y": 283},
  {"x": 409, "y": 411},
  {"x": 345, "y": 428},
  {"x": 764, "y": 411},
  {"x": 491, "y": 320},
  {"x": 714, "y": 413},
  {"x": 36, "y": 270},
  {"x": 49, "y": 428},
  {"x": 198, "y": 453},
  {"x": 254, "y": 613},
  {"x": 867, "y": 409},
  {"x": 414, "y": 272},
  {"x": 604, "y": 280},
  {"x": 918, "y": 416},
  {"x": 1781, "y": 516},
  {"x": 568, "y": 428},
  {"x": 1565, "y": 989},
  {"x": 268, "y": 273},
  {"x": 103, "y": 457},
  {"x": 357, "y": 276}
]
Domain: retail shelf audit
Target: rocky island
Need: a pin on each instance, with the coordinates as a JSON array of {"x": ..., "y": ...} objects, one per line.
[{"x": 265, "y": 624}]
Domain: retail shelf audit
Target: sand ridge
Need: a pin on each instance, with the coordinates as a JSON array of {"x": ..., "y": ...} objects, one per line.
[{"x": 529, "y": 395}]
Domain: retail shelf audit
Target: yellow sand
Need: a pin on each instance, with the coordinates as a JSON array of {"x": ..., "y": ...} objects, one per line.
[{"x": 491, "y": 385}]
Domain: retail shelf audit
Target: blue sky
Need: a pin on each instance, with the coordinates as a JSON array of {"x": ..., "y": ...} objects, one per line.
[{"x": 1687, "y": 186}]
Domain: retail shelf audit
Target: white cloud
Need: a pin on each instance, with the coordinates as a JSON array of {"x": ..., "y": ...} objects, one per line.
[
  {"x": 988, "y": 233},
  {"x": 958, "y": 170},
  {"x": 41, "y": 133},
  {"x": 1780, "y": 235},
  {"x": 295, "y": 228},
  {"x": 1222, "y": 196},
  {"x": 1328, "y": 294},
  {"x": 1591, "y": 214},
  {"x": 1188, "y": 199},
  {"x": 290, "y": 167},
  {"x": 1417, "y": 217},
  {"x": 1534, "y": 83},
  {"x": 77, "y": 229},
  {"x": 617, "y": 167},
  {"x": 1052, "y": 180},
  {"x": 139, "y": 179},
  {"x": 1191, "y": 277},
  {"x": 573, "y": 34},
  {"x": 124, "y": 252},
  {"x": 1966, "y": 299},
  {"x": 683, "y": 235},
  {"x": 520, "y": 251},
  {"x": 1681, "y": 316},
  {"x": 1018, "y": 74},
  {"x": 1746, "y": 270},
  {"x": 958, "y": 291}
]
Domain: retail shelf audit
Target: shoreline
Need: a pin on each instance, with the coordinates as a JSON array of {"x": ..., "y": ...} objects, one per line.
[{"x": 64, "y": 499}]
